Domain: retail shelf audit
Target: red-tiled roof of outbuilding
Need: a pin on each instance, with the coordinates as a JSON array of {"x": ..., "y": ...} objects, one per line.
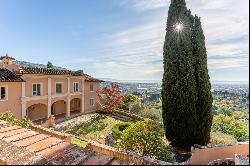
[
  {"x": 8, "y": 76},
  {"x": 46, "y": 71}
]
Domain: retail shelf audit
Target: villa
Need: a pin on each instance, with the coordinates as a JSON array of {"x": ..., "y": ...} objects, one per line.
[{"x": 38, "y": 93}]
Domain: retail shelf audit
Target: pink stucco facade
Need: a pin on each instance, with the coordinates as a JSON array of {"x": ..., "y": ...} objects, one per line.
[
  {"x": 36, "y": 96},
  {"x": 13, "y": 101},
  {"x": 89, "y": 94}
]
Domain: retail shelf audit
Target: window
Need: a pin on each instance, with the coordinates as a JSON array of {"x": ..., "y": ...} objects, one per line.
[
  {"x": 91, "y": 102},
  {"x": 76, "y": 87},
  {"x": 58, "y": 88},
  {"x": 3, "y": 91},
  {"x": 91, "y": 88},
  {"x": 36, "y": 89}
]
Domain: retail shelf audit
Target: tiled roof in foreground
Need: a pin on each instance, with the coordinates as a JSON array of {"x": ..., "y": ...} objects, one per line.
[
  {"x": 22, "y": 146},
  {"x": 8, "y": 76}
]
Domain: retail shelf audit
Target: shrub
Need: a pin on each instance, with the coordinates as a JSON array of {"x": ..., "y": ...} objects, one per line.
[
  {"x": 129, "y": 99},
  {"x": 126, "y": 114},
  {"x": 145, "y": 138},
  {"x": 118, "y": 129},
  {"x": 154, "y": 114},
  {"x": 220, "y": 138},
  {"x": 229, "y": 125},
  {"x": 9, "y": 117},
  {"x": 24, "y": 123},
  {"x": 136, "y": 107},
  {"x": 110, "y": 98}
]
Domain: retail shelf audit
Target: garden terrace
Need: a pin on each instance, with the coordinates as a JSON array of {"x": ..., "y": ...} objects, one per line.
[{"x": 91, "y": 127}]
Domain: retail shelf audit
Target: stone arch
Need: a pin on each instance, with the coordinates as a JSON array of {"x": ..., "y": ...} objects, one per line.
[
  {"x": 75, "y": 105},
  {"x": 58, "y": 107}
]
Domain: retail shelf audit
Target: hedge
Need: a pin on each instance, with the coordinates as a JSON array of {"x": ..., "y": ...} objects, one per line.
[
  {"x": 135, "y": 118},
  {"x": 118, "y": 129}
]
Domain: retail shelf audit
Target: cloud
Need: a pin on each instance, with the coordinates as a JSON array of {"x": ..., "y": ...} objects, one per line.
[
  {"x": 136, "y": 52},
  {"x": 143, "y": 5}
]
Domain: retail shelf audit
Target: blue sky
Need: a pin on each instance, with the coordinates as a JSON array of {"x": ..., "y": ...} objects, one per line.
[{"x": 121, "y": 39}]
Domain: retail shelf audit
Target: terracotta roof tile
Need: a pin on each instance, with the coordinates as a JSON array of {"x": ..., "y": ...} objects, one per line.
[
  {"x": 46, "y": 71},
  {"x": 8, "y": 76}
]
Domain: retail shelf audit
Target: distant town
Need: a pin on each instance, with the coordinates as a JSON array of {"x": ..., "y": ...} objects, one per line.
[{"x": 153, "y": 90}]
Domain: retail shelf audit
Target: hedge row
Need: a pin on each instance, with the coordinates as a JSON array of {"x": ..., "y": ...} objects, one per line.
[
  {"x": 118, "y": 129},
  {"x": 126, "y": 114},
  {"x": 135, "y": 118}
]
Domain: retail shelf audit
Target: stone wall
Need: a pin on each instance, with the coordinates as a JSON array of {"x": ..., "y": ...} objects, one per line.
[
  {"x": 130, "y": 157},
  {"x": 202, "y": 155},
  {"x": 50, "y": 132}
]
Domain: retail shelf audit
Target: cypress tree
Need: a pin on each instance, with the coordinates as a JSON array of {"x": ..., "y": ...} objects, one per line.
[
  {"x": 49, "y": 65},
  {"x": 179, "y": 82},
  {"x": 186, "y": 88},
  {"x": 204, "y": 100}
]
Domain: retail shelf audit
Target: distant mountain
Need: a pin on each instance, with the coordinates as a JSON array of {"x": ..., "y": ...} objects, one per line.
[
  {"x": 130, "y": 81},
  {"x": 159, "y": 81},
  {"x": 229, "y": 82},
  {"x": 28, "y": 64}
]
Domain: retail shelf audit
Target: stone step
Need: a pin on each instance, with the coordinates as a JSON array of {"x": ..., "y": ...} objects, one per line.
[
  {"x": 44, "y": 144},
  {"x": 21, "y": 136},
  {"x": 3, "y": 126},
  {"x": 49, "y": 152},
  {"x": 119, "y": 162},
  {"x": 14, "y": 155},
  {"x": 98, "y": 159},
  {"x": 31, "y": 140},
  {"x": 9, "y": 128},
  {"x": 12, "y": 133},
  {"x": 71, "y": 156}
]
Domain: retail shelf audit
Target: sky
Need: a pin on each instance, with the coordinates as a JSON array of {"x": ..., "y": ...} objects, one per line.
[{"x": 121, "y": 39}]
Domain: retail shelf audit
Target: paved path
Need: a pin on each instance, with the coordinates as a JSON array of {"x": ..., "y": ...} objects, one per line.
[{"x": 24, "y": 146}]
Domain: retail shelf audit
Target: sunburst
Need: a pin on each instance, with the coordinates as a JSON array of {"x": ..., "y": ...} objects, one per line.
[{"x": 180, "y": 29}]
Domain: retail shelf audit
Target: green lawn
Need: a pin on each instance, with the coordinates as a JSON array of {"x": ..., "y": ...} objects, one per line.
[
  {"x": 97, "y": 128},
  {"x": 78, "y": 142}
]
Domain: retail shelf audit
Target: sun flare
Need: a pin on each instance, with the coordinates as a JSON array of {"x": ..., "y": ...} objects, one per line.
[{"x": 178, "y": 27}]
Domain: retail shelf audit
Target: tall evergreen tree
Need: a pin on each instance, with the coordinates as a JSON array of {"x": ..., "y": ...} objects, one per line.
[
  {"x": 204, "y": 100},
  {"x": 179, "y": 85},
  {"x": 186, "y": 89}
]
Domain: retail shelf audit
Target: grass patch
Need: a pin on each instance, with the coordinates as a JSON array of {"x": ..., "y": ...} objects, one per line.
[
  {"x": 78, "y": 142},
  {"x": 97, "y": 128}
]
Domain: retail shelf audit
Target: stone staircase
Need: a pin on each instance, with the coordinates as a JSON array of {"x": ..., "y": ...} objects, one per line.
[{"x": 24, "y": 146}]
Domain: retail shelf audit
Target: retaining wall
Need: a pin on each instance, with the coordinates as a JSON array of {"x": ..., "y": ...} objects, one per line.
[{"x": 204, "y": 155}]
